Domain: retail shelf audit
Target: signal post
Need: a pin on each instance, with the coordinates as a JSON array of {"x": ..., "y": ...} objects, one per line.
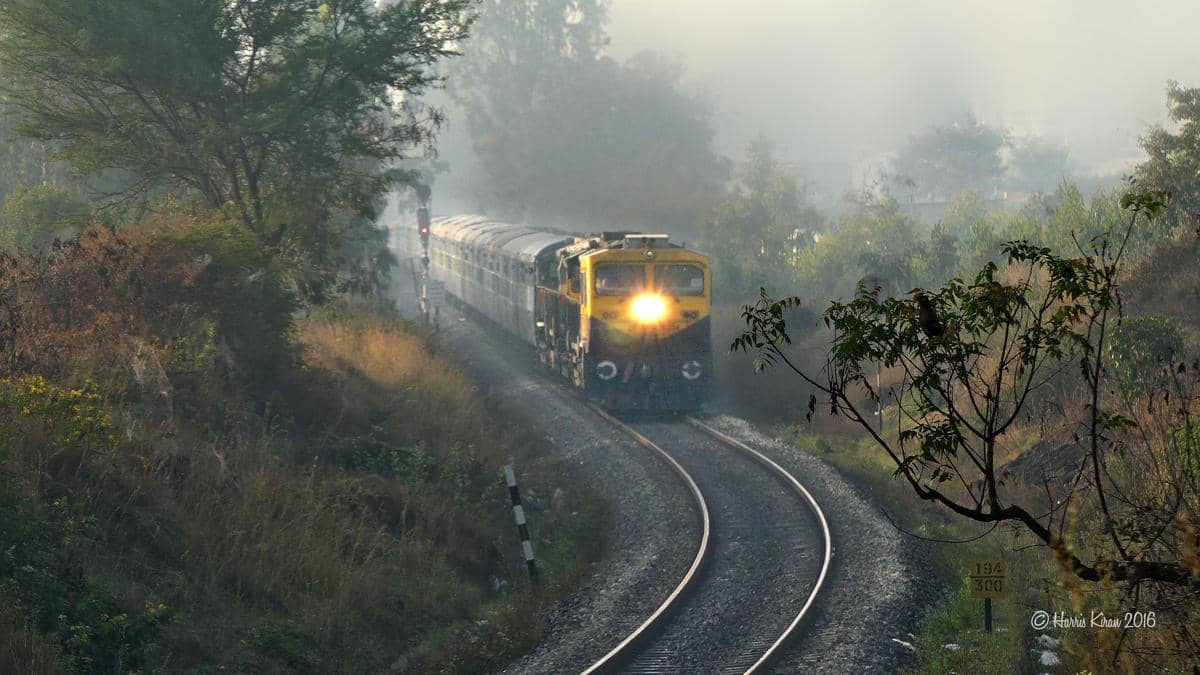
[{"x": 430, "y": 298}]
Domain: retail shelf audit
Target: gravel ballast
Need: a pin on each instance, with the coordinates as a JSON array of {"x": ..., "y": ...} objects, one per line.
[
  {"x": 656, "y": 526},
  {"x": 879, "y": 582}
]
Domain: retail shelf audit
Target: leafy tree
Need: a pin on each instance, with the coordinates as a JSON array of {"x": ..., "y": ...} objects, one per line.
[
  {"x": 943, "y": 258},
  {"x": 564, "y": 133},
  {"x": 978, "y": 229},
  {"x": 1141, "y": 348},
  {"x": 1173, "y": 161},
  {"x": 276, "y": 109},
  {"x": 970, "y": 155},
  {"x": 973, "y": 354},
  {"x": 759, "y": 234},
  {"x": 871, "y": 236},
  {"x": 1033, "y": 163},
  {"x": 34, "y": 218},
  {"x": 945, "y": 160}
]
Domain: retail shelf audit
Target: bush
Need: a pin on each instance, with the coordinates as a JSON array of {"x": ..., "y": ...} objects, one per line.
[
  {"x": 242, "y": 288},
  {"x": 50, "y": 431},
  {"x": 1140, "y": 351},
  {"x": 161, "y": 315}
]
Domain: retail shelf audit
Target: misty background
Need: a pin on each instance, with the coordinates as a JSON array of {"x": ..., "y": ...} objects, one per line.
[{"x": 839, "y": 87}]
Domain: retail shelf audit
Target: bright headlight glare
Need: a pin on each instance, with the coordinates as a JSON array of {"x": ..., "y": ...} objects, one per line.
[{"x": 648, "y": 308}]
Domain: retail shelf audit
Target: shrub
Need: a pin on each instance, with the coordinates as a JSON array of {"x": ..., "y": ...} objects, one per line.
[
  {"x": 1140, "y": 349},
  {"x": 162, "y": 315}
]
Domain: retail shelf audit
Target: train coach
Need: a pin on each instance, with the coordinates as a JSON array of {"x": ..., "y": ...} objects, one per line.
[{"x": 622, "y": 316}]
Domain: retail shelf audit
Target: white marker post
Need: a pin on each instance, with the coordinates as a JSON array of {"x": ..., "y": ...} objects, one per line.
[{"x": 510, "y": 479}]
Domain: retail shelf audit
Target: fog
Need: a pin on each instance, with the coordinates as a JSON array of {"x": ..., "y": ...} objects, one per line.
[
  {"x": 838, "y": 86},
  {"x": 842, "y": 81}
]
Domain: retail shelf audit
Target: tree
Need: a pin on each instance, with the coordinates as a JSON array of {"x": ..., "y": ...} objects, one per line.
[
  {"x": 978, "y": 229},
  {"x": 1005, "y": 336},
  {"x": 945, "y": 160},
  {"x": 871, "y": 236},
  {"x": 277, "y": 109},
  {"x": 759, "y": 233},
  {"x": 564, "y": 133},
  {"x": 1173, "y": 160},
  {"x": 33, "y": 219},
  {"x": 942, "y": 258},
  {"x": 1033, "y": 163},
  {"x": 1141, "y": 348}
]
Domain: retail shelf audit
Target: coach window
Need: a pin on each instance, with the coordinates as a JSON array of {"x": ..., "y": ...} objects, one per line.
[
  {"x": 619, "y": 279},
  {"x": 679, "y": 279}
]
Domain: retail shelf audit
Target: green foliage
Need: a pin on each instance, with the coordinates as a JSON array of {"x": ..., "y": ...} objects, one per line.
[
  {"x": 65, "y": 417},
  {"x": 292, "y": 644},
  {"x": 24, "y": 161},
  {"x": 245, "y": 290},
  {"x": 971, "y": 155},
  {"x": 871, "y": 236},
  {"x": 971, "y": 354},
  {"x": 977, "y": 230},
  {"x": 565, "y": 134},
  {"x": 1036, "y": 164},
  {"x": 1173, "y": 161},
  {"x": 278, "y": 110},
  {"x": 945, "y": 160},
  {"x": 80, "y": 613},
  {"x": 959, "y": 622},
  {"x": 759, "y": 235},
  {"x": 32, "y": 219},
  {"x": 1140, "y": 352}
]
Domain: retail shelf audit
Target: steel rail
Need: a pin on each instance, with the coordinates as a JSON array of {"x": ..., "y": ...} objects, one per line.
[
  {"x": 813, "y": 505},
  {"x": 612, "y": 657}
]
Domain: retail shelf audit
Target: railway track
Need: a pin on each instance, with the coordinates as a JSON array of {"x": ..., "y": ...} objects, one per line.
[{"x": 762, "y": 557}]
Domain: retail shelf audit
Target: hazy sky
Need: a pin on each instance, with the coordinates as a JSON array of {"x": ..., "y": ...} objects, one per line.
[{"x": 842, "y": 80}]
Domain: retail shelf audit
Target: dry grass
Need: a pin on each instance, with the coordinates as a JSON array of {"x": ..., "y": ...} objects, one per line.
[
  {"x": 436, "y": 400},
  {"x": 23, "y": 650},
  {"x": 360, "y": 523}
]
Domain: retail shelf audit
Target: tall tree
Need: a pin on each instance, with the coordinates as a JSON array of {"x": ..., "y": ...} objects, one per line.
[
  {"x": 945, "y": 160},
  {"x": 758, "y": 234},
  {"x": 869, "y": 236},
  {"x": 1035, "y": 163},
  {"x": 562, "y": 132},
  {"x": 1173, "y": 161},
  {"x": 277, "y": 109}
]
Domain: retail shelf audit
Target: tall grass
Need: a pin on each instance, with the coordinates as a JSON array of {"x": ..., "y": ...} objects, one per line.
[{"x": 357, "y": 525}]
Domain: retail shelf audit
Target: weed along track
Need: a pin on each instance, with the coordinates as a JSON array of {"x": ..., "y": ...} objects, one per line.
[{"x": 761, "y": 561}]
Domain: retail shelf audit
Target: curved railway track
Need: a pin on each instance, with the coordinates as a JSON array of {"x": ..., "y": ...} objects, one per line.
[{"x": 758, "y": 567}]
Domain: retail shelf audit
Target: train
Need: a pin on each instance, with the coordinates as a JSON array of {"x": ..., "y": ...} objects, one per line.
[{"x": 622, "y": 316}]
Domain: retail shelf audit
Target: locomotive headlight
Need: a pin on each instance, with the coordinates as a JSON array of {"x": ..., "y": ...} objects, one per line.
[{"x": 648, "y": 308}]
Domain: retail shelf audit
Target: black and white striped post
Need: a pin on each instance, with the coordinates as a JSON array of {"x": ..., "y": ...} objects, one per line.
[{"x": 510, "y": 479}]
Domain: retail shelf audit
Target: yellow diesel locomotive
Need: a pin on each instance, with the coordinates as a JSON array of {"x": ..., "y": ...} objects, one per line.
[{"x": 622, "y": 316}]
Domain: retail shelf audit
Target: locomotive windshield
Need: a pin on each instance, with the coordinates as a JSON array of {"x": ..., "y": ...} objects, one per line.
[
  {"x": 620, "y": 279},
  {"x": 679, "y": 279}
]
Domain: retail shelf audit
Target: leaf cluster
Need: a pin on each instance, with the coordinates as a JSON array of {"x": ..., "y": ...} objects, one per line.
[{"x": 971, "y": 356}]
